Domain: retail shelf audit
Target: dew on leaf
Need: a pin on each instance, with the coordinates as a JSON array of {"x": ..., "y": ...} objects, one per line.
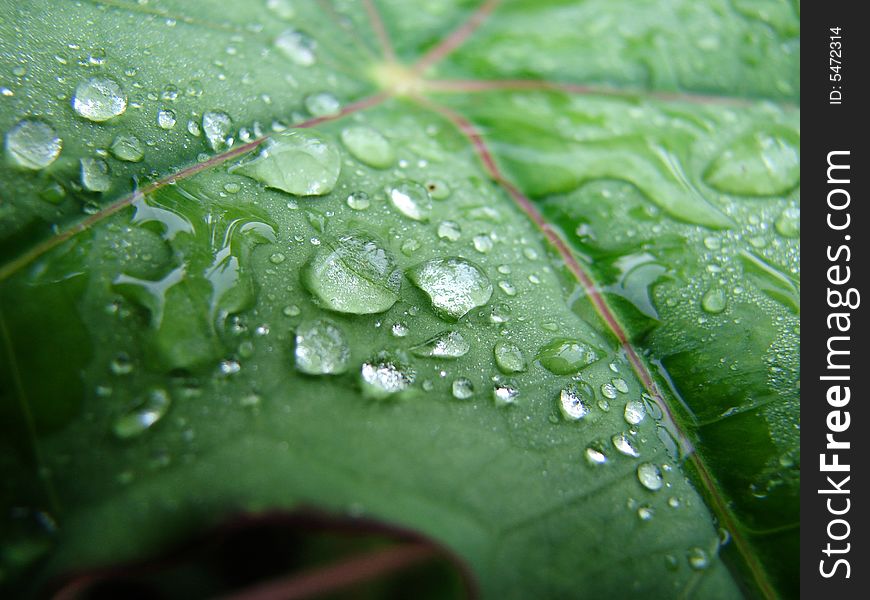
[
  {"x": 574, "y": 401},
  {"x": 353, "y": 274},
  {"x": 166, "y": 118},
  {"x": 645, "y": 513},
  {"x": 368, "y": 146},
  {"x": 358, "y": 200},
  {"x": 321, "y": 348},
  {"x": 99, "y": 99},
  {"x": 143, "y": 415},
  {"x": 764, "y": 163},
  {"x": 95, "y": 175},
  {"x": 217, "y": 126},
  {"x": 714, "y": 301},
  {"x": 788, "y": 223},
  {"x": 698, "y": 558},
  {"x": 566, "y": 356},
  {"x": 282, "y": 9},
  {"x": 635, "y": 411},
  {"x": 625, "y": 445},
  {"x": 482, "y": 243},
  {"x": 386, "y": 375},
  {"x": 608, "y": 391},
  {"x": 620, "y": 385},
  {"x": 508, "y": 357},
  {"x": 32, "y": 144},
  {"x": 298, "y": 162},
  {"x": 507, "y": 287},
  {"x": 297, "y": 46},
  {"x": 447, "y": 344},
  {"x": 595, "y": 455},
  {"x": 650, "y": 476},
  {"x": 400, "y": 329},
  {"x": 462, "y": 388},
  {"x": 411, "y": 199},
  {"x": 438, "y": 189},
  {"x": 121, "y": 364},
  {"x": 449, "y": 230},
  {"x": 127, "y": 148},
  {"x": 505, "y": 392},
  {"x": 454, "y": 285},
  {"x": 322, "y": 104}
]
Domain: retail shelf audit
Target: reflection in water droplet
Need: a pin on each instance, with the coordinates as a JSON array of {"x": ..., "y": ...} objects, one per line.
[
  {"x": 386, "y": 376},
  {"x": 447, "y": 344},
  {"x": 95, "y": 175},
  {"x": 297, "y": 46},
  {"x": 650, "y": 476},
  {"x": 595, "y": 456},
  {"x": 507, "y": 287},
  {"x": 620, "y": 385},
  {"x": 353, "y": 274},
  {"x": 448, "y": 230},
  {"x": 322, "y": 104},
  {"x": 358, "y": 200},
  {"x": 698, "y": 558},
  {"x": 99, "y": 99},
  {"x": 400, "y": 329},
  {"x": 454, "y": 285},
  {"x": 635, "y": 411},
  {"x": 463, "y": 389},
  {"x": 217, "y": 127},
  {"x": 505, "y": 392},
  {"x": 321, "y": 348},
  {"x": 32, "y": 144},
  {"x": 411, "y": 199},
  {"x": 166, "y": 119},
  {"x": 127, "y": 148},
  {"x": 148, "y": 411},
  {"x": 714, "y": 301},
  {"x": 625, "y": 445},
  {"x": 368, "y": 146},
  {"x": 608, "y": 391},
  {"x": 482, "y": 243},
  {"x": 508, "y": 357},
  {"x": 645, "y": 513},
  {"x": 566, "y": 357},
  {"x": 574, "y": 401}
]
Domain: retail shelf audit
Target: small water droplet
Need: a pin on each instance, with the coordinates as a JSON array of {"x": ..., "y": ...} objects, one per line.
[
  {"x": 368, "y": 146},
  {"x": 608, "y": 391},
  {"x": 386, "y": 376},
  {"x": 508, "y": 357},
  {"x": 321, "y": 348},
  {"x": 595, "y": 456},
  {"x": 714, "y": 301},
  {"x": 358, "y": 201},
  {"x": 291, "y": 311},
  {"x": 788, "y": 223},
  {"x": 635, "y": 411},
  {"x": 400, "y": 329},
  {"x": 645, "y": 513},
  {"x": 217, "y": 126},
  {"x": 277, "y": 258},
  {"x": 411, "y": 199},
  {"x": 482, "y": 243},
  {"x": 322, "y": 104},
  {"x": 99, "y": 99},
  {"x": 625, "y": 445},
  {"x": 438, "y": 189},
  {"x": 121, "y": 364},
  {"x": 166, "y": 118},
  {"x": 574, "y": 401},
  {"x": 620, "y": 385},
  {"x": 447, "y": 344},
  {"x": 232, "y": 187},
  {"x": 698, "y": 558},
  {"x": 143, "y": 415},
  {"x": 283, "y": 9},
  {"x": 566, "y": 357},
  {"x": 454, "y": 285},
  {"x": 297, "y": 46},
  {"x": 507, "y": 287},
  {"x": 353, "y": 274},
  {"x": 449, "y": 230},
  {"x": 127, "y": 148},
  {"x": 95, "y": 174},
  {"x": 462, "y": 389},
  {"x": 650, "y": 476},
  {"x": 505, "y": 392},
  {"x": 32, "y": 144},
  {"x": 410, "y": 246}
]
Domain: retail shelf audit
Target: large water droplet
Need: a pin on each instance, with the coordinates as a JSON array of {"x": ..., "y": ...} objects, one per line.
[
  {"x": 127, "y": 148},
  {"x": 322, "y": 104},
  {"x": 217, "y": 127},
  {"x": 368, "y": 146},
  {"x": 508, "y": 357},
  {"x": 635, "y": 411},
  {"x": 574, "y": 401},
  {"x": 297, "y": 46},
  {"x": 95, "y": 175},
  {"x": 321, "y": 348},
  {"x": 714, "y": 301},
  {"x": 32, "y": 144},
  {"x": 650, "y": 476},
  {"x": 462, "y": 389},
  {"x": 99, "y": 99},
  {"x": 764, "y": 163},
  {"x": 353, "y": 274},
  {"x": 447, "y": 344},
  {"x": 454, "y": 285},
  {"x": 298, "y": 162},
  {"x": 505, "y": 392},
  {"x": 566, "y": 357},
  {"x": 148, "y": 411},
  {"x": 386, "y": 376},
  {"x": 411, "y": 199}
]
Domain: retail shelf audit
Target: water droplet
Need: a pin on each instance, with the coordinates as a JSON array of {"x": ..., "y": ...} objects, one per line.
[
  {"x": 277, "y": 258},
  {"x": 447, "y": 344},
  {"x": 297, "y": 46},
  {"x": 595, "y": 456},
  {"x": 671, "y": 562},
  {"x": 463, "y": 389},
  {"x": 169, "y": 93},
  {"x": 635, "y": 411},
  {"x": 368, "y": 146},
  {"x": 400, "y": 329},
  {"x": 574, "y": 401},
  {"x": 385, "y": 376},
  {"x": 698, "y": 558},
  {"x": 764, "y": 163},
  {"x": 645, "y": 513},
  {"x": 99, "y": 99},
  {"x": 127, "y": 148},
  {"x": 283, "y": 9},
  {"x": 321, "y": 348},
  {"x": 674, "y": 502},
  {"x": 232, "y": 187},
  {"x": 505, "y": 392},
  {"x": 229, "y": 367},
  {"x": 650, "y": 476},
  {"x": 95, "y": 175},
  {"x": 482, "y": 243},
  {"x": 410, "y": 246},
  {"x": 608, "y": 391},
  {"x": 166, "y": 118},
  {"x": 448, "y": 230},
  {"x": 508, "y": 357},
  {"x": 566, "y": 357},
  {"x": 291, "y": 311},
  {"x": 141, "y": 417},
  {"x": 454, "y": 285},
  {"x": 714, "y": 301},
  {"x": 322, "y": 104},
  {"x": 712, "y": 243},
  {"x": 353, "y": 274},
  {"x": 411, "y": 199},
  {"x": 507, "y": 287},
  {"x": 624, "y": 445},
  {"x": 217, "y": 126},
  {"x": 121, "y": 364},
  {"x": 32, "y": 144},
  {"x": 358, "y": 201},
  {"x": 788, "y": 223},
  {"x": 298, "y": 162},
  {"x": 620, "y": 385}
]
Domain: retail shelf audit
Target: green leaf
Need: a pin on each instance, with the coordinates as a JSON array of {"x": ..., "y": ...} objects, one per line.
[{"x": 522, "y": 277}]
